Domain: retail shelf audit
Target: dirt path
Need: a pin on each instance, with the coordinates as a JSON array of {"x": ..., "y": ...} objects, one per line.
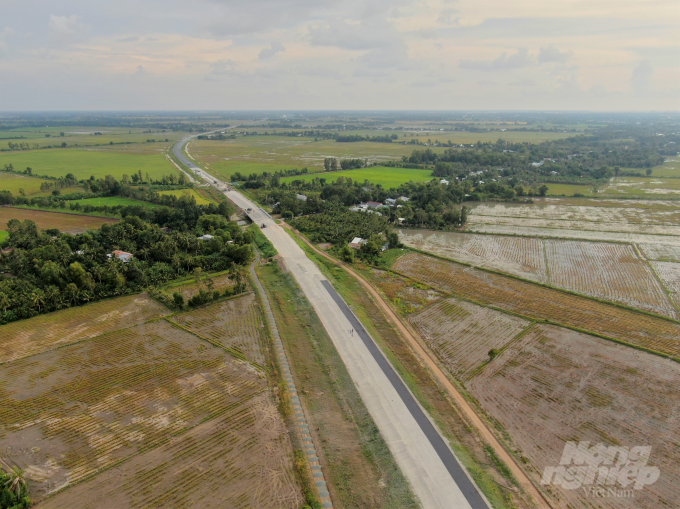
[{"x": 425, "y": 355}]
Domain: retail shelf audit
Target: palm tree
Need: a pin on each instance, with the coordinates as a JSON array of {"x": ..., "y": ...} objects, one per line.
[
  {"x": 16, "y": 480},
  {"x": 4, "y": 302},
  {"x": 37, "y": 299}
]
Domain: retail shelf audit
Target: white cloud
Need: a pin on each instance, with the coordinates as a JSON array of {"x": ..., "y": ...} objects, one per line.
[
  {"x": 519, "y": 59},
  {"x": 639, "y": 80},
  {"x": 276, "y": 47},
  {"x": 449, "y": 17},
  {"x": 65, "y": 28},
  {"x": 4, "y": 35},
  {"x": 550, "y": 54}
]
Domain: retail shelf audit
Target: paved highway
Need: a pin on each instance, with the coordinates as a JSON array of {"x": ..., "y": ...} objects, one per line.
[{"x": 436, "y": 476}]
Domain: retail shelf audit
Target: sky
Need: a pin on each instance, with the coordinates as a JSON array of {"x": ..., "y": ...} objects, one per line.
[{"x": 602, "y": 55}]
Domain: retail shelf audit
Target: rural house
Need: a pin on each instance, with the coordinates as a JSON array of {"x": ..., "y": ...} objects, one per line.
[
  {"x": 122, "y": 256},
  {"x": 356, "y": 242}
]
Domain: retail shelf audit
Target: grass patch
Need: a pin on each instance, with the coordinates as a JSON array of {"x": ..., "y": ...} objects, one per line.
[
  {"x": 3, "y": 235},
  {"x": 266, "y": 248},
  {"x": 13, "y": 183},
  {"x": 200, "y": 199},
  {"x": 355, "y": 455},
  {"x": 569, "y": 190}
]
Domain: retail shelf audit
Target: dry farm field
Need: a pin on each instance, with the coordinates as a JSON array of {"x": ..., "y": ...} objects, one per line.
[
  {"x": 608, "y": 271},
  {"x": 407, "y": 296},
  {"x": 669, "y": 273},
  {"x": 660, "y": 252},
  {"x": 44, "y": 332},
  {"x": 521, "y": 256},
  {"x": 555, "y": 385},
  {"x": 549, "y": 385},
  {"x": 220, "y": 281},
  {"x": 607, "y": 220},
  {"x": 540, "y": 303},
  {"x": 148, "y": 415},
  {"x": 235, "y": 324},
  {"x": 462, "y": 334},
  {"x": 68, "y": 223}
]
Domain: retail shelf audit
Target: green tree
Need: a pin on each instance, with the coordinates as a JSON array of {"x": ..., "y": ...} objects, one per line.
[
  {"x": 178, "y": 300},
  {"x": 393, "y": 239},
  {"x": 347, "y": 254},
  {"x": 543, "y": 190}
]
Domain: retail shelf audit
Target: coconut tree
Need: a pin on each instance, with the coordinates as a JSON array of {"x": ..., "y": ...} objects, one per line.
[{"x": 16, "y": 481}]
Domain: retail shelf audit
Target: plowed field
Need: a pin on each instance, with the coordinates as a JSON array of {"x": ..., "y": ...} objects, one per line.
[
  {"x": 235, "y": 323},
  {"x": 555, "y": 385},
  {"x": 541, "y": 303},
  {"x": 461, "y": 334},
  {"x": 607, "y": 271}
]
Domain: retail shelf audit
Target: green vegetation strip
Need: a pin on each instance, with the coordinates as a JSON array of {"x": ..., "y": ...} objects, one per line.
[{"x": 266, "y": 248}]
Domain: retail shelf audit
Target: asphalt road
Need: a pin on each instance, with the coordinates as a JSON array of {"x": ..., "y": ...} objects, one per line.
[{"x": 435, "y": 474}]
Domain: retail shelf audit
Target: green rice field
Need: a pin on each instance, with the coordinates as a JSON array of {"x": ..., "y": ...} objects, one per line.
[
  {"x": 83, "y": 162},
  {"x": 386, "y": 177},
  {"x": 3, "y": 235},
  {"x": 83, "y": 136},
  {"x": 113, "y": 201}
]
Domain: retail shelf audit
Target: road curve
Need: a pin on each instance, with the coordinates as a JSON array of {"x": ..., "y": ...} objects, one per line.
[{"x": 435, "y": 474}]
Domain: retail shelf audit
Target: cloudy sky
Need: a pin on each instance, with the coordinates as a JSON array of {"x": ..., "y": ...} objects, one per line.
[{"x": 340, "y": 54}]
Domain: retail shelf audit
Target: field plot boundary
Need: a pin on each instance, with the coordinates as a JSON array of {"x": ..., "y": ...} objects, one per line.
[
  {"x": 548, "y": 321},
  {"x": 519, "y": 278}
]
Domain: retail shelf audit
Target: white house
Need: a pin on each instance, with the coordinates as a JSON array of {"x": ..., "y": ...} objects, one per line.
[
  {"x": 301, "y": 197},
  {"x": 356, "y": 242},
  {"x": 206, "y": 237},
  {"x": 444, "y": 181},
  {"x": 390, "y": 201},
  {"x": 404, "y": 198}
]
